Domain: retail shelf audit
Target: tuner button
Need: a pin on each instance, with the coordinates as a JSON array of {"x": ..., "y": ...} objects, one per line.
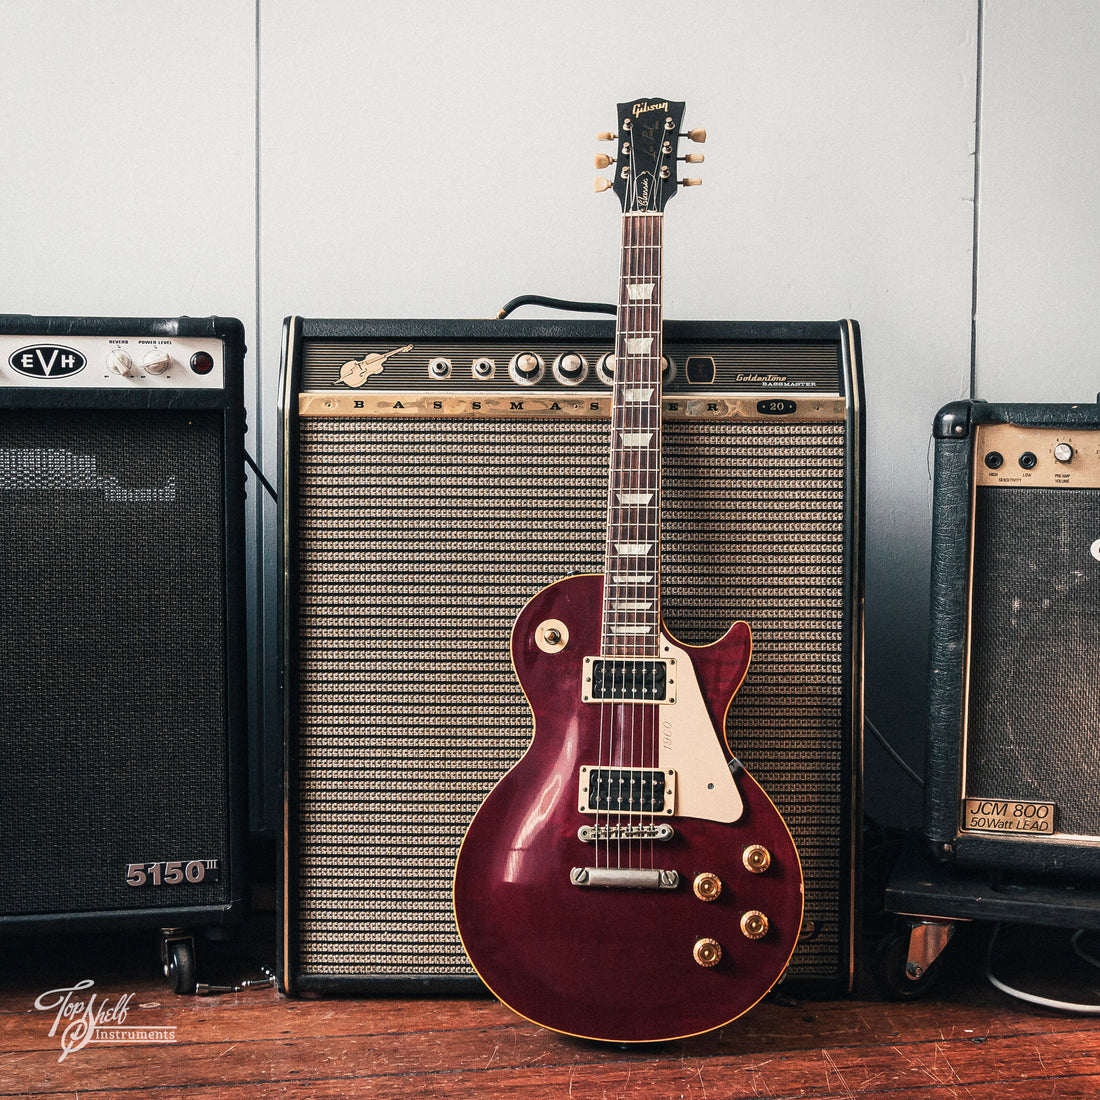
[
  {"x": 605, "y": 135},
  {"x": 694, "y": 158},
  {"x": 699, "y": 134},
  {"x": 570, "y": 368},
  {"x": 118, "y": 362},
  {"x": 604, "y": 161},
  {"x": 526, "y": 368},
  {"x": 156, "y": 362},
  {"x": 691, "y": 183},
  {"x": 1063, "y": 452},
  {"x": 600, "y": 184}
]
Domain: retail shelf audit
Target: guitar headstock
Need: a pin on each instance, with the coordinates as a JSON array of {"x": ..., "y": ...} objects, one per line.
[{"x": 645, "y": 168}]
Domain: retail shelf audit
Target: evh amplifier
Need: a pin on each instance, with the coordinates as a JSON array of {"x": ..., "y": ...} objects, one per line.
[
  {"x": 121, "y": 609},
  {"x": 435, "y": 476},
  {"x": 1013, "y": 761}
]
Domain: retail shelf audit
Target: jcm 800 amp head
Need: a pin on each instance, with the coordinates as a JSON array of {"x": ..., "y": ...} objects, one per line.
[{"x": 435, "y": 475}]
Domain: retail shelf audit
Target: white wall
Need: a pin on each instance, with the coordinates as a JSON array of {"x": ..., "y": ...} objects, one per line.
[{"x": 434, "y": 159}]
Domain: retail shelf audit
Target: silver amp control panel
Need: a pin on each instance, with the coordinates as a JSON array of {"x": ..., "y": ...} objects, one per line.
[
  {"x": 577, "y": 365},
  {"x": 116, "y": 362}
]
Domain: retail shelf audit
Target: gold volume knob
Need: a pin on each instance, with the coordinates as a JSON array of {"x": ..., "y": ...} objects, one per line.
[
  {"x": 707, "y": 886},
  {"x": 756, "y": 858},
  {"x": 707, "y": 952},
  {"x": 754, "y": 924}
]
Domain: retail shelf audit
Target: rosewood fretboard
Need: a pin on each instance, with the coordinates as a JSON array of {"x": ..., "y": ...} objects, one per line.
[{"x": 632, "y": 561}]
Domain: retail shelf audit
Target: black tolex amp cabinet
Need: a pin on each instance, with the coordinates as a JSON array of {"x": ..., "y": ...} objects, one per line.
[
  {"x": 436, "y": 475},
  {"x": 121, "y": 613},
  {"x": 1013, "y": 762}
]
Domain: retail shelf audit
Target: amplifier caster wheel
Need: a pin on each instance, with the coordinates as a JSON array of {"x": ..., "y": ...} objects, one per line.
[
  {"x": 900, "y": 978},
  {"x": 177, "y": 953}
]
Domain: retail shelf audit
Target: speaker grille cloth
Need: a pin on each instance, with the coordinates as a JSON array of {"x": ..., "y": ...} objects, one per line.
[
  {"x": 420, "y": 541},
  {"x": 113, "y": 738},
  {"x": 1034, "y": 712}
]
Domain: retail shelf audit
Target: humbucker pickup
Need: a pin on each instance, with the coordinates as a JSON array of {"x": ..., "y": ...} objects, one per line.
[
  {"x": 627, "y": 791},
  {"x": 629, "y": 679}
]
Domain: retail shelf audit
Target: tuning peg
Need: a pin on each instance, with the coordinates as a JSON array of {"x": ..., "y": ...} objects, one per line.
[
  {"x": 600, "y": 184},
  {"x": 604, "y": 161},
  {"x": 696, "y": 135},
  {"x": 694, "y": 158},
  {"x": 691, "y": 183},
  {"x": 605, "y": 135}
]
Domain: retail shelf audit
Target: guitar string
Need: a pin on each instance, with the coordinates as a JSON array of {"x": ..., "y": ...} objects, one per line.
[{"x": 640, "y": 372}]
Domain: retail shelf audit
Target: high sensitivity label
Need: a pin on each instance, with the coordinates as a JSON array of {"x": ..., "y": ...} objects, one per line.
[{"x": 992, "y": 815}]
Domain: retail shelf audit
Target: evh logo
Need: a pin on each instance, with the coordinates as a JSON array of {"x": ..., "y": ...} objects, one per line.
[{"x": 47, "y": 361}]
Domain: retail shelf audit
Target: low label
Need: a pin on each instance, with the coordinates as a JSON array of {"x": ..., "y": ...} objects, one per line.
[{"x": 992, "y": 815}]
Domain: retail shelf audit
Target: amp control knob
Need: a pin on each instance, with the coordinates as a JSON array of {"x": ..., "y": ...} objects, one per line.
[
  {"x": 526, "y": 368},
  {"x": 1063, "y": 452},
  {"x": 570, "y": 369},
  {"x": 118, "y": 362},
  {"x": 156, "y": 362}
]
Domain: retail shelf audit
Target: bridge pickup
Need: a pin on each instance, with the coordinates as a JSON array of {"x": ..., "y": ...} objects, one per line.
[
  {"x": 629, "y": 679},
  {"x": 625, "y": 878},
  {"x": 592, "y": 834},
  {"x": 627, "y": 791}
]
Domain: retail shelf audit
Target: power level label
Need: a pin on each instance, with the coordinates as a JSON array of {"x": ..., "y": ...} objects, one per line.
[{"x": 991, "y": 815}]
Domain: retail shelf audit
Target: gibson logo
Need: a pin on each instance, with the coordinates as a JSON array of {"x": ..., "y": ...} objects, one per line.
[
  {"x": 645, "y": 105},
  {"x": 46, "y": 361}
]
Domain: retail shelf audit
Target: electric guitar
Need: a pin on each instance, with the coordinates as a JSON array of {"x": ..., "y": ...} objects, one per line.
[{"x": 628, "y": 880}]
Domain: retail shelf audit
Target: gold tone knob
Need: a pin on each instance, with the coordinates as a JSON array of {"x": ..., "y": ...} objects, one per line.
[
  {"x": 699, "y": 134},
  {"x": 691, "y": 183},
  {"x": 605, "y": 135},
  {"x": 707, "y": 886},
  {"x": 756, "y": 858},
  {"x": 707, "y": 952},
  {"x": 600, "y": 184},
  {"x": 754, "y": 924},
  {"x": 604, "y": 161},
  {"x": 694, "y": 158}
]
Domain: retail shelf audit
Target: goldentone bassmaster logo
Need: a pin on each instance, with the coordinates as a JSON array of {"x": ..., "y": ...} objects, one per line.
[{"x": 46, "y": 361}]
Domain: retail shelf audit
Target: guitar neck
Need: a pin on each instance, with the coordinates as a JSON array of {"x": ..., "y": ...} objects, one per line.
[{"x": 632, "y": 560}]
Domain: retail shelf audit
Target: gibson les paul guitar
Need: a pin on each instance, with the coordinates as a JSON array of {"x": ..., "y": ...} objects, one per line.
[{"x": 628, "y": 880}]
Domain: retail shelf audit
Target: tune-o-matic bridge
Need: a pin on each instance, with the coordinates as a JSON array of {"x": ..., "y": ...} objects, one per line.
[
  {"x": 594, "y": 834},
  {"x": 627, "y": 791},
  {"x": 629, "y": 679}
]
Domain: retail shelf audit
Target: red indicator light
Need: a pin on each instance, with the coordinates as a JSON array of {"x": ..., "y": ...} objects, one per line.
[{"x": 202, "y": 362}]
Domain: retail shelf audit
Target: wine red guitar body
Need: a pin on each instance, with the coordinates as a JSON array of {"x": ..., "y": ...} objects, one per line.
[{"x": 652, "y": 928}]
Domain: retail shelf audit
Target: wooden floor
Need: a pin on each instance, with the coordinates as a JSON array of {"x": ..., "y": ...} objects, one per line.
[{"x": 963, "y": 1039}]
